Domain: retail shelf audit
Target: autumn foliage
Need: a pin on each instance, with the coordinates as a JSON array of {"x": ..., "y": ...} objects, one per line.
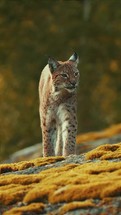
[{"x": 31, "y": 31}]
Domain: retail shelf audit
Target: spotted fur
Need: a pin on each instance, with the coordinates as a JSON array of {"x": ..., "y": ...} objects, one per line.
[{"x": 57, "y": 95}]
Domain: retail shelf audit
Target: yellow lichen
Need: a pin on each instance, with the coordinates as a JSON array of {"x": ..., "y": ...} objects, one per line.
[
  {"x": 105, "y": 152},
  {"x": 71, "y": 182},
  {"x": 13, "y": 193},
  {"x": 39, "y": 193},
  {"x": 26, "y": 164},
  {"x": 90, "y": 136},
  {"x": 32, "y": 208},
  {"x": 76, "y": 205}
]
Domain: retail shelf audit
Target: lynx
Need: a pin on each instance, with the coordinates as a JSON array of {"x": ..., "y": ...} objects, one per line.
[{"x": 57, "y": 95}]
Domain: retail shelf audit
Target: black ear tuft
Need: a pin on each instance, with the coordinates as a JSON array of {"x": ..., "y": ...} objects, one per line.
[
  {"x": 74, "y": 58},
  {"x": 53, "y": 64}
]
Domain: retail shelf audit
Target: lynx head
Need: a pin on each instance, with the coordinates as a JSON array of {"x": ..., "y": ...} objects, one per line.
[{"x": 65, "y": 75}]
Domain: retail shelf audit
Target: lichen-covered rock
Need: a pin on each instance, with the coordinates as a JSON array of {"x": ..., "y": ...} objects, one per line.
[
  {"x": 106, "y": 133},
  {"x": 34, "y": 208},
  {"x": 85, "y": 142},
  {"x": 78, "y": 184}
]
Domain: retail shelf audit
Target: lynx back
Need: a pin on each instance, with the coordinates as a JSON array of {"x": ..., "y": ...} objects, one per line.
[{"x": 57, "y": 95}]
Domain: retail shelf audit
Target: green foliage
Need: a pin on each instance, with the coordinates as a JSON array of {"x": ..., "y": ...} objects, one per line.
[{"x": 30, "y": 31}]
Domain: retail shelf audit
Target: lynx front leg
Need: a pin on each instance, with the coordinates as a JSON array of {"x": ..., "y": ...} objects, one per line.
[
  {"x": 47, "y": 134},
  {"x": 59, "y": 143},
  {"x": 69, "y": 137}
]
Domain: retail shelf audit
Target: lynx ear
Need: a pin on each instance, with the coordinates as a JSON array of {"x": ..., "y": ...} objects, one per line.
[
  {"x": 74, "y": 58},
  {"x": 53, "y": 64}
]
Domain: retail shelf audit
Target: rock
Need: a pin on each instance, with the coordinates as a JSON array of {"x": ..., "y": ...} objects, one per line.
[
  {"x": 85, "y": 143},
  {"x": 79, "y": 184}
]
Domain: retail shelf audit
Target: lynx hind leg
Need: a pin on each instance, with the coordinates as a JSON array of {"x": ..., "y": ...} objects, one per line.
[{"x": 48, "y": 134}]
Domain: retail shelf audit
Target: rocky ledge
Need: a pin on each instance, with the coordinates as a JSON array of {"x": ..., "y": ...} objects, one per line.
[{"x": 79, "y": 184}]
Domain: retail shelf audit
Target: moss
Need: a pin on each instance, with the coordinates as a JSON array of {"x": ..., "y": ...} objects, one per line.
[
  {"x": 72, "y": 182},
  {"x": 82, "y": 192},
  {"x": 90, "y": 136},
  {"x": 15, "y": 166},
  {"x": 63, "y": 184},
  {"x": 40, "y": 193},
  {"x": 76, "y": 205},
  {"x": 32, "y": 208},
  {"x": 21, "y": 179},
  {"x": 105, "y": 152},
  {"x": 26, "y": 164},
  {"x": 13, "y": 193}
]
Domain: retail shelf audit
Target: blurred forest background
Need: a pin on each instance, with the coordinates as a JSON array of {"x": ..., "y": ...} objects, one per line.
[{"x": 30, "y": 31}]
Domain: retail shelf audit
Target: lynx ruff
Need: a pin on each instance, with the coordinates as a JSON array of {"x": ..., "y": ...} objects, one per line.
[{"x": 57, "y": 95}]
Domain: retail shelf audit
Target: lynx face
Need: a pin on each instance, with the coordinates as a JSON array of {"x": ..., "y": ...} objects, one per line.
[{"x": 64, "y": 75}]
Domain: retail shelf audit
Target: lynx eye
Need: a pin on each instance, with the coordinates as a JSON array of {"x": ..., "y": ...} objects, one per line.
[
  {"x": 76, "y": 73},
  {"x": 64, "y": 75}
]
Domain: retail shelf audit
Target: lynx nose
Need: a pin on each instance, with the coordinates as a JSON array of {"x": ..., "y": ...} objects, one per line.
[{"x": 73, "y": 84}]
